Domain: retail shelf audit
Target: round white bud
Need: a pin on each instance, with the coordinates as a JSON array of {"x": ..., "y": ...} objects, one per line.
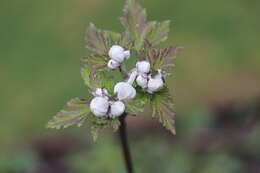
[
  {"x": 124, "y": 91},
  {"x": 143, "y": 66},
  {"x": 116, "y": 109},
  {"x": 155, "y": 84},
  {"x": 99, "y": 106},
  {"x": 142, "y": 81},
  {"x": 113, "y": 64},
  {"x": 116, "y": 53}
]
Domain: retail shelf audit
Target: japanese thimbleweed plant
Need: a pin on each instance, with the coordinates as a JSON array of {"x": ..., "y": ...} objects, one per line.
[{"x": 125, "y": 72}]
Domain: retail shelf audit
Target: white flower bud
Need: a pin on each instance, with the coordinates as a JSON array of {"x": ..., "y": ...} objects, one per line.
[
  {"x": 143, "y": 66},
  {"x": 116, "y": 109},
  {"x": 156, "y": 83},
  {"x": 124, "y": 91},
  {"x": 113, "y": 64},
  {"x": 118, "y": 54},
  {"x": 99, "y": 106},
  {"x": 142, "y": 81}
]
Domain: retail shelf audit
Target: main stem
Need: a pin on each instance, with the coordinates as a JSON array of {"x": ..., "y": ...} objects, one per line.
[{"x": 124, "y": 144}]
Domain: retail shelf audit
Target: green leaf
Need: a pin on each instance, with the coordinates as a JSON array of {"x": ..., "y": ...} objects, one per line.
[
  {"x": 137, "y": 105},
  {"x": 162, "y": 109},
  {"x": 160, "y": 58},
  {"x": 74, "y": 113},
  {"x": 96, "y": 61},
  {"x": 125, "y": 41},
  {"x": 97, "y": 124},
  {"x": 166, "y": 57},
  {"x": 95, "y": 78},
  {"x": 100, "y": 41},
  {"x": 89, "y": 77},
  {"x": 159, "y": 32},
  {"x": 135, "y": 21}
]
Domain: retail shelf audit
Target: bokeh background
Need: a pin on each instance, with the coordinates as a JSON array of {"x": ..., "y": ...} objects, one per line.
[{"x": 216, "y": 86}]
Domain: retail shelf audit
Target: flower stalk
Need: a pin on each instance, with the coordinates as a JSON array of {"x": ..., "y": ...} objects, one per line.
[{"x": 124, "y": 144}]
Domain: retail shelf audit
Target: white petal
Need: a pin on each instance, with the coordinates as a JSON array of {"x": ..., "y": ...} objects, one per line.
[
  {"x": 99, "y": 106},
  {"x": 116, "y": 109},
  {"x": 142, "y": 81},
  {"x": 143, "y": 66},
  {"x": 124, "y": 91},
  {"x": 113, "y": 64},
  {"x": 116, "y": 53},
  {"x": 155, "y": 85}
]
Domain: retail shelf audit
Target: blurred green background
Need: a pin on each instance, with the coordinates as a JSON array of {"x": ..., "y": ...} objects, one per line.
[{"x": 216, "y": 85}]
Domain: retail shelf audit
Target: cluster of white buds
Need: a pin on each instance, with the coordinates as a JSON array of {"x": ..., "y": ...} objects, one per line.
[
  {"x": 117, "y": 55},
  {"x": 145, "y": 80},
  {"x": 102, "y": 107}
]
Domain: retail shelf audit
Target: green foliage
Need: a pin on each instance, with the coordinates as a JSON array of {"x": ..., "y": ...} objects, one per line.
[
  {"x": 162, "y": 109},
  {"x": 73, "y": 113},
  {"x": 160, "y": 58},
  {"x": 97, "y": 124},
  {"x": 136, "y": 106},
  {"x": 134, "y": 20},
  {"x": 100, "y": 41},
  {"x": 95, "y": 78},
  {"x": 159, "y": 32}
]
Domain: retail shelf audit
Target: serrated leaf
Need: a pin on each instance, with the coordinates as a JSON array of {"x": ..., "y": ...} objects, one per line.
[
  {"x": 100, "y": 41},
  {"x": 125, "y": 41},
  {"x": 162, "y": 109},
  {"x": 94, "y": 78},
  {"x": 159, "y": 32},
  {"x": 96, "y": 61},
  {"x": 137, "y": 105},
  {"x": 135, "y": 21},
  {"x": 88, "y": 75},
  {"x": 97, "y": 124},
  {"x": 160, "y": 58},
  {"x": 73, "y": 113}
]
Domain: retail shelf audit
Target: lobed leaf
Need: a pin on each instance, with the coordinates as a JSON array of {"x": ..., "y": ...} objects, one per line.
[
  {"x": 73, "y": 113},
  {"x": 159, "y": 32},
  {"x": 160, "y": 58},
  {"x": 100, "y": 41},
  {"x": 88, "y": 75},
  {"x": 134, "y": 20},
  {"x": 162, "y": 109}
]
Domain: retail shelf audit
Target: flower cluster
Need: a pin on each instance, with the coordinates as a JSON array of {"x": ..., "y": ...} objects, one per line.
[
  {"x": 143, "y": 75},
  {"x": 100, "y": 104}
]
